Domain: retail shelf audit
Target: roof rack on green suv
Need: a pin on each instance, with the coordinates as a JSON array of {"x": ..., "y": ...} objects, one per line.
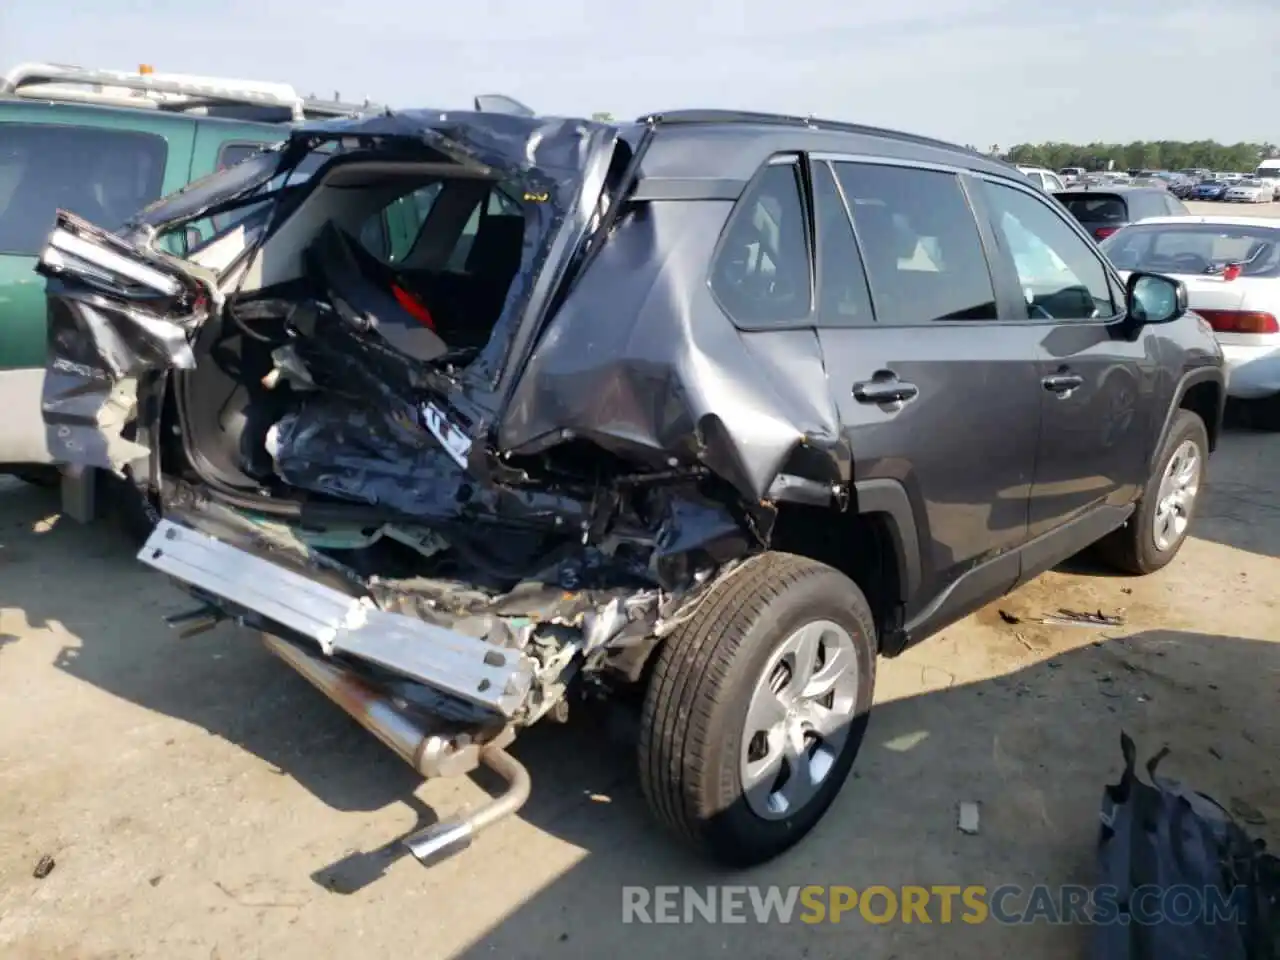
[{"x": 173, "y": 93}]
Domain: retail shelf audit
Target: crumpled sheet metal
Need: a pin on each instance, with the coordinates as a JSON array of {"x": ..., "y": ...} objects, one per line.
[
  {"x": 98, "y": 348},
  {"x": 1163, "y": 835},
  {"x": 642, "y": 361},
  {"x": 385, "y": 457},
  {"x": 559, "y": 162}
]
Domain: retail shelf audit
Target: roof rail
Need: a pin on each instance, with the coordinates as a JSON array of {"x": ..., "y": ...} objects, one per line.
[
  {"x": 170, "y": 92},
  {"x": 680, "y": 117}
]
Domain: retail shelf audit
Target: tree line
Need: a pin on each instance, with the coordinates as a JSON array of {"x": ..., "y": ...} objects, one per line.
[{"x": 1142, "y": 155}]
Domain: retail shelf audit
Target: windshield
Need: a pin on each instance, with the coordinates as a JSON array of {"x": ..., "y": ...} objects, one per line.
[{"x": 1196, "y": 249}]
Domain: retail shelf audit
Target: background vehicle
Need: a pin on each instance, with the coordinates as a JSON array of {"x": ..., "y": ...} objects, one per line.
[
  {"x": 1070, "y": 175},
  {"x": 1231, "y": 268},
  {"x": 1044, "y": 179},
  {"x": 1249, "y": 191},
  {"x": 104, "y": 144},
  {"x": 1210, "y": 190},
  {"x": 1103, "y": 211},
  {"x": 737, "y": 497}
]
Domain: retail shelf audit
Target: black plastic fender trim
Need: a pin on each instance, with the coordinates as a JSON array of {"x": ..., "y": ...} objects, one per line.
[{"x": 890, "y": 498}]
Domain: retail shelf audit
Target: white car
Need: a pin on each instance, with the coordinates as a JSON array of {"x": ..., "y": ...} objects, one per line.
[
  {"x": 1273, "y": 181},
  {"x": 1046, "y": 180},
  {"x": 1249, "y": 191},
  {"x": 1231, "y": 267}
]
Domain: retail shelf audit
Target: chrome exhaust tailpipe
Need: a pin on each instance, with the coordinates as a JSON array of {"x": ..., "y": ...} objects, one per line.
[
  {"x": 431, "y": 753},
  {"x": 442, "y": 840}
]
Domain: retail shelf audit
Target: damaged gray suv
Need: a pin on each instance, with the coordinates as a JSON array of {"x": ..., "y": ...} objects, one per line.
[{"x": 713, "y": 407}]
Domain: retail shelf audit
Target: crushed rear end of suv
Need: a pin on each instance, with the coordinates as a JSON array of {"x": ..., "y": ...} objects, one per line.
[{"x": 367, "y": 459}]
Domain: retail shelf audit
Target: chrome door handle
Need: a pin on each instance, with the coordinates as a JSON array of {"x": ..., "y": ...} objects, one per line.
[
  {"x": 884, "y": 391},
  {"x": 1062, "y": 383}
]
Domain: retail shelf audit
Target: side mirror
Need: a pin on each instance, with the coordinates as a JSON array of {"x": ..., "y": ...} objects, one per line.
[{"x": 1152, "y": 298}]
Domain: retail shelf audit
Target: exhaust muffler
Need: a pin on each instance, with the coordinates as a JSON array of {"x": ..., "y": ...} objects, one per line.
[{"x": 433, "y": 753}]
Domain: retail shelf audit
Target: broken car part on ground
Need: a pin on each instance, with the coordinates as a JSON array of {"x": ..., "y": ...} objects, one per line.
[
  {"x": 1165, "y": 836},
  {"x": 443, "y": 528}
]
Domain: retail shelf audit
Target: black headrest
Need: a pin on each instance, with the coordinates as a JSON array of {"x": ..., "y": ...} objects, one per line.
[{"x": 498, "y": 245}]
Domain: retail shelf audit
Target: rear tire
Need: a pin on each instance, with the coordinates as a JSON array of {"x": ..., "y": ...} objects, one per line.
[
  {"x": 744, "y": 796},
  {"x": 1155, "y": 532}
]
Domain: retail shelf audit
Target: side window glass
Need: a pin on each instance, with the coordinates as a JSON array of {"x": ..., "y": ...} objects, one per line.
[
  {"x": 920, "y": 243},
  {"x": 761, "y": 274},
  {"x": 1061, "y": 277},
  {"x": 843, "y": 299},
  {"x": 390, "y": 234},
  {"x": 102, "y": 175},
  {"x": 498, "y": 204},
  {"x": 232, "y": 153}
]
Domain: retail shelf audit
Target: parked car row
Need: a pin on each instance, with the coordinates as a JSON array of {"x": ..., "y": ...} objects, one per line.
[{"x": 1262, "y": 186}]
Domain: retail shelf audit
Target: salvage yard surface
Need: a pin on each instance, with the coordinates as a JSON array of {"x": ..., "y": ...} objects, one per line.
[{"x": 198, "y": 799}]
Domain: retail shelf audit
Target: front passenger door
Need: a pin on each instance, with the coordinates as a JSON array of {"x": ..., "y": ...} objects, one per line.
[{"x": 1097, "y": 382}]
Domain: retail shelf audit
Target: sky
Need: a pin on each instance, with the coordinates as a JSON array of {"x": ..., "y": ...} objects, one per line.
[{"x": 972, "y": 71}]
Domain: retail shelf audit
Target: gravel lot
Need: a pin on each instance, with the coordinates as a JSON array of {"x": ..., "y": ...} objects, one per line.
[{"x": 200, "y": 800}]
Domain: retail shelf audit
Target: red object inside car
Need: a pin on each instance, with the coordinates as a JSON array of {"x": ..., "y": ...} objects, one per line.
[{"x": 413, "y": 306}]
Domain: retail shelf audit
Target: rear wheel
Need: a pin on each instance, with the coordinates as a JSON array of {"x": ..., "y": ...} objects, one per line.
[
  {"x": 757, "y": 707},
  {"x": 1155, "y": 533}
]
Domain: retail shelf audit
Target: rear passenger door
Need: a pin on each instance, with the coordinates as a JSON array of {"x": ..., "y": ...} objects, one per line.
[
  {"x": 934, "y": 392},
  {"x": 1097, "y": 383}
]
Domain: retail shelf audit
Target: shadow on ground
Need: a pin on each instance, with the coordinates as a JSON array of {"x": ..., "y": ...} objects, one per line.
[{"x": 1241, "y": 509}]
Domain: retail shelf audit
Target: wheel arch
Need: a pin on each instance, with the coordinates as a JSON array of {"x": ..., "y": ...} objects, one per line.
[
  {"x": 875, "y": 542},
  {"x": 1202, "y": 391}
]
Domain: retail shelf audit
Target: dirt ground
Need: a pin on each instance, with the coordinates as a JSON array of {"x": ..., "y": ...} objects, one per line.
[{"x": 200, "y": 800}]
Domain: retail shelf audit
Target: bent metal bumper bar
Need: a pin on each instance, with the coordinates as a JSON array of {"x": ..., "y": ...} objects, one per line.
[
  {"x": 480, "y": 673},
  {"x": 465, "y": 667}
]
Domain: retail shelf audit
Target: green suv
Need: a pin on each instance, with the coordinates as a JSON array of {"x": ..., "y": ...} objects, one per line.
[
  {"x": 92, "y": 152},
  {"x": 103, "y": 163}
]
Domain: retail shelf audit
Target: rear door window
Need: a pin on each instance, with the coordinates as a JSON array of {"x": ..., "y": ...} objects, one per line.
[
  {"x": 761, "y": 273},
  {"x": 102, "y": 175},
  {"x": 843, "y": 297},
  {"x": 920, "y": 242}
]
